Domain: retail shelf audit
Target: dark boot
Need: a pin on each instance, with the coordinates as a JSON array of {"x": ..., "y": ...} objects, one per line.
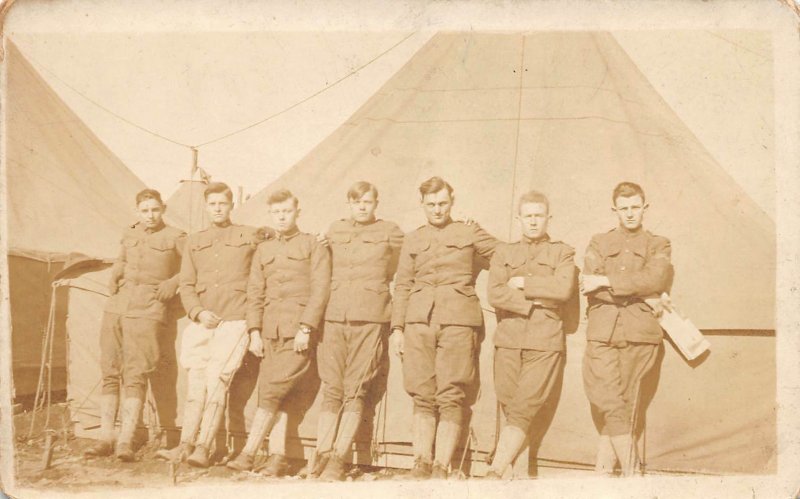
[
  {"x": 176, "y": 454},
  {"x": 438, "y": 472},
  {"x": 101, "y": 448},
  {"x": 493, "y": 475},
  {"x": 421, "y": 469},
  {"x": 277, "y": 466},
  {"x": 334, "y": 470},
  {"x": 243, "y": 462},
  {"x": 199, "y": 458}
]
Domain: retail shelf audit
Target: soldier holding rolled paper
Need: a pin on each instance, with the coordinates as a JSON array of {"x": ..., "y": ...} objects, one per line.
[{"x": 626, "y": 270}]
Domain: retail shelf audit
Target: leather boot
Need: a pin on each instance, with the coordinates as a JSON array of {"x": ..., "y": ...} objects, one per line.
[
  {"x": 108, "y": 417},
  {"x": 508, "y": 446},
  {"x": 176, "y": 454},
  {"x": 199, "y": 458},
  {"x": 213, "y": 414},
  {"x": 193, "y": 408},
  {"x": 277, "y": 466},
  {"x": 347, "y": 433},
  {"x": 334, "y": 469},
  {"x": 424, "y": 432},
  {"x": 326, "y": 433},
  {"x": 626, "y": 453},
  {"x": 606, "y": 459},
  {"x": 277, "y": 434},
  {"x": 131, "y": 409},
  {"x": 422, "y": 468},
  {"x": 258, "y": 430},
  {"x": 446, "y": 440}
]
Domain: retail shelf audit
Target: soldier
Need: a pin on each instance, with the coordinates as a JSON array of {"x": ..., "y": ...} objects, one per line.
[
  {"x": 365, "y": 252},
  {"x": 144, "y": 279},
  {"x": 625, "y": 272},
  {"x": 529, "y": 283},
  {"x": 213, "y": 288},
  {"x": 435, "y": 320},
  {"x": 287, "y": 291}
]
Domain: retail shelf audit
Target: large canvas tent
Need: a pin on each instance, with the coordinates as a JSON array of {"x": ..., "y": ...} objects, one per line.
[
  {"x": 68, "y": 194},
  {"x": 569, "y": 114}
]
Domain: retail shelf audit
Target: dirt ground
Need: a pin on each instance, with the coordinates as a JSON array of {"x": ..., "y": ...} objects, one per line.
[{"x": 68, "y": 470}]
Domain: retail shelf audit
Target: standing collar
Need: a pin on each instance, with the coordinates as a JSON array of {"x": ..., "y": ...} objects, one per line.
[
  {"x": 155, "y": 229},
  {"x": 544, "y": 238},
  {"x": 288, "y": 235},
  {"x": 355, "y": 223},
  {"x": 441, "y": 227}
]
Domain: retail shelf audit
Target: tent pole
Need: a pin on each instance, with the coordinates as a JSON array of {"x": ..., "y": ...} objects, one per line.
[{"x": 195, "y": 154}]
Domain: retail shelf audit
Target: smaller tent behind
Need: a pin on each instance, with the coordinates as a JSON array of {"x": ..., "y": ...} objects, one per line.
[
  {"x": 67, "y": 193},
  {"x": 186, "y": 207}
]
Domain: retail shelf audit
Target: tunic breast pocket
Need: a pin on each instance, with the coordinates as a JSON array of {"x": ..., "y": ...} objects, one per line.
[
  {"x": 515, "y": 265},
  {"x": 298, "y": 254},
  {"x": 162, "y": 244},
  {"x": 543, "y": 268},
  {"x": 240, "y": 244},
  {"x": 266, "y": 259},
  {"x": 130, "y": 242},
  {"x": 339, "y": 238},
  {"x": 201, "y": 246},
  {"x": 462, "y": 246},
  {"x": 419, "y": 246},
  {"x": 374, "y": 245}
]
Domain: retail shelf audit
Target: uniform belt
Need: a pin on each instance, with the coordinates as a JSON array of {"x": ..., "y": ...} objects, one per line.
[
  {"x": 549, "y": 306},
  {"x": 627, "y": 302},
  {"x": 138, "y": 283}
]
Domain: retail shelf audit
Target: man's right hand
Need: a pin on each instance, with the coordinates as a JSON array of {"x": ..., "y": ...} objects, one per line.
[
  {"x": 208, "y": 319},
  {"x": 398, "y": 342},
  {"x": 256, "y": 345},
  {"x": 113, "y": 286}
]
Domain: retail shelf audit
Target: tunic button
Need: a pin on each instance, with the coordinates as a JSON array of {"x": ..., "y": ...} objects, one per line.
[
  {"x": 216, "y": 285},
  {"x": 622, "y": 268}
]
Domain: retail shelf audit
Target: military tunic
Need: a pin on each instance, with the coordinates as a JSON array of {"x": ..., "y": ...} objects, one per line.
[
  {"x": 529, "y": 339},
  {"x": 436, "y": 305},
  {"x": 623, "y": 335},
  {"x": 133, "y": 316},
  {"x": 288, "y": 285},
  {"x": 364, "y": 259}
]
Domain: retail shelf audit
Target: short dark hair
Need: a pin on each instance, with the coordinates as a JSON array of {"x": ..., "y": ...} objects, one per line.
[
  {"x": 627, "y": 190},
  {"x": 533, "y": 197},
  {"x": 434, "y": 185},
  {"x": 146, "y": 194},
  {"x": 218, "y": 188},
  {"x": 360, "y": 188},
  {"x": 282, "y": 195}
]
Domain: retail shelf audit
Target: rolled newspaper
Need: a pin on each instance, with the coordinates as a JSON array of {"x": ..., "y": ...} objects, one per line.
[{"x": 685, "y": 335}]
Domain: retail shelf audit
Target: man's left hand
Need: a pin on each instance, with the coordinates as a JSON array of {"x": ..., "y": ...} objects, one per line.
[
  {"x": 591, "y": 283},
  {"x": 517, "y": 282},
  {"x": 166, "y": 290},
  {"x": 656, "y": 305},
  {"x": 301, "y": 340}
]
